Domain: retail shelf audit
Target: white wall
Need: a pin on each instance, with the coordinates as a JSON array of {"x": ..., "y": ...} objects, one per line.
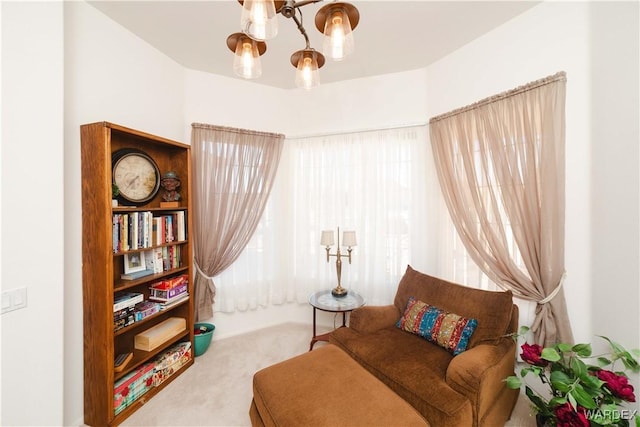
[
  {"x": 614, "y": 126},
  {"x": 230, "y": 102},
  {"x": 361, "y": 104},
  {"x": 32, "y": 211}
]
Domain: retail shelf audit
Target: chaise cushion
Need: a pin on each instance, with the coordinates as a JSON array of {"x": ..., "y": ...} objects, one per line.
[{"x": 412, "y": 367}]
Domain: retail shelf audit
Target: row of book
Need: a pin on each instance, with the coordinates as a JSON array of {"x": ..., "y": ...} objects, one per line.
[
  {"x": 137, "y": 230},
  {"x": 157, "y": 260},
  {"x": 131, "y": 307}
]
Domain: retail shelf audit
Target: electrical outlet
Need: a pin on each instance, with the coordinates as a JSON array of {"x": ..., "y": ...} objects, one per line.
[{"x": 14, "y": 299}]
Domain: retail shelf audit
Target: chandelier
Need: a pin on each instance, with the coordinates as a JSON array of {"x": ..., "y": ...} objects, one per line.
[{"x": 259, "y": 23}]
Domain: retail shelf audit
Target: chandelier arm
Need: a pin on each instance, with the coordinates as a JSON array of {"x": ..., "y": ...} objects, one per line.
[{"x": 301, "y": 29}]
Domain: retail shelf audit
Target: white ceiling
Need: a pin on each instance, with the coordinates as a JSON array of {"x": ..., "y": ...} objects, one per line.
[{"x": 392, "y": 36}]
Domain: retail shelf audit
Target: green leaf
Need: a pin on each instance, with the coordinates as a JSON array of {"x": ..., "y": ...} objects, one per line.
[
  {"x": 637, "y": 419},
  {"x": 578, "y": 367},
  {"x": 560, "y": 381},
  {"x": 617, "y": 348},
  {"x": 563, "y": 347},
  {"x": 582, "y": 397},
  {"x": 550, "y": 354},
  {"x": 513, "y": 382},
  {"x": 572, "y": 401},
  {"x": 603, "y": 361},
  {"x": 582, "y": 350},
  {"x": 542, "y": 406},
  {"x": 630, "y": 362},
  {"x": 523, "y": 330},
  {"x": 592, "y": 382},
  {"x": 556, "y": 401}
]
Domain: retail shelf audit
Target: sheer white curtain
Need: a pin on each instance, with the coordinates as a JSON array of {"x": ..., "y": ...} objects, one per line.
[
  {"x": 380, "y": 184},
  {"x": 259, "y": 277},
  {"x": 374, "y": 183}
]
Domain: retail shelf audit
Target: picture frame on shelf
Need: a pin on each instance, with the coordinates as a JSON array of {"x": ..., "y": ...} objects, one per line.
[{"x": 134, "y": 262}]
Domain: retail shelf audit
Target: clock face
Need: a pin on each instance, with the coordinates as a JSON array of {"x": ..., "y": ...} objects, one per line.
[{"x": 137, "y": 177}]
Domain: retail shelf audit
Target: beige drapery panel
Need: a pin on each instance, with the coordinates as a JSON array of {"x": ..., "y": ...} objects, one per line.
[
  {"x": 501, "y": 165},
  {"x": 233, "y": 173}
]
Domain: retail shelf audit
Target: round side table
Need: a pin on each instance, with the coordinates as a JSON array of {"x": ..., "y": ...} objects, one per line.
[{"x": 324, "y": 301}]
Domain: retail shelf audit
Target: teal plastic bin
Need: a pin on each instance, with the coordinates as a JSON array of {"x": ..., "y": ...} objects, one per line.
[{"x": 203, "y": 334}]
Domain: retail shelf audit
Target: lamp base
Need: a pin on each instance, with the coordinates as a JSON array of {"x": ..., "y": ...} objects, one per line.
[{"x": 339, "y": 292}]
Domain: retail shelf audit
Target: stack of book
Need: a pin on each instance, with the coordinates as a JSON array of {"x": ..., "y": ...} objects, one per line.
[
  {"x": 170, "y": 292},
  {"x": 124, "y": 308}
]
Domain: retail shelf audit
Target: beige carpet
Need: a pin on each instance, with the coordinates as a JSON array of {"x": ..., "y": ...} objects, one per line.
[{"x": 216, "y": 390}]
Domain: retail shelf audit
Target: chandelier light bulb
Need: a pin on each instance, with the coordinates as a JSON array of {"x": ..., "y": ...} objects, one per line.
[
  {"x": 246, "y": 62},
  {"x": 338, "y": 41},
  {"x": 307, "y": 74},
  {"x": 259, "y": 19}
]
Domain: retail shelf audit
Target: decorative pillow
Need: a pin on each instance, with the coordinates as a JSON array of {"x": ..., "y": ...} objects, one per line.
[{"x": 448, "y": 330}]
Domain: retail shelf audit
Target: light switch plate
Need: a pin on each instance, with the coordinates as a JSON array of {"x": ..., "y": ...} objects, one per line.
[{"x": 14, "y": 299}]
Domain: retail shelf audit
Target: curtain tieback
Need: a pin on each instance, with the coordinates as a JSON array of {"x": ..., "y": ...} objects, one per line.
[
  {"x": 555, "y": 291},
  {"x": 201, "y": 272}
]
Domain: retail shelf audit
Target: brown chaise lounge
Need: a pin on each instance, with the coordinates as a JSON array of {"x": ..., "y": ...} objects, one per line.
[{"x": 463, "y": 390}]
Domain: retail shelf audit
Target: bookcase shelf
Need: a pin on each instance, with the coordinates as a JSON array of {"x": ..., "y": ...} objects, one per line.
[
  {"x": 121, "y": 285},
  {"x": 141, "y": 356},
  {"x": 102, "y": 268}
]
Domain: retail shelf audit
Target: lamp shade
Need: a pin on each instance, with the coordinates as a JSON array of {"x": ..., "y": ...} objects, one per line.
[
  {"x": 259, "y": 19},
  {"x": 246, "y": 61},
  {"x": 327, "y": 238},
  {"x": 307, "y": 63},
  {"x": 337, "y": 21},
  {"x": 349, "y": 238}
]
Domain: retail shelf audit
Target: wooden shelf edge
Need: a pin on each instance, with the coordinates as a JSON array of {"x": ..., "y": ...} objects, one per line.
[{"x": 124, "y": 209}]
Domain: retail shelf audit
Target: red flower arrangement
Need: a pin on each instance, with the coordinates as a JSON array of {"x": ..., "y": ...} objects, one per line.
[{"x": 580, "y": 394}]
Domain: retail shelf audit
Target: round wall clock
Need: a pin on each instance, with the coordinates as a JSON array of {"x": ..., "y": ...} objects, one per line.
[{"x": 136, "y": 174}]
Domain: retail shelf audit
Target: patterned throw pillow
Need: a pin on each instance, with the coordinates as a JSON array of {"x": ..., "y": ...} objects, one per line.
[{"x": 448, "y": 330}]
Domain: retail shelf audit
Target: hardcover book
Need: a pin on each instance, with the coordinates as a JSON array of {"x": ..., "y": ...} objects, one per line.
[
  {"x": 174, "y": 301},
  {"x": 168, "y": 294},
  {"x": 170, "y": 283},
  {"x": 145, "y": 309},
  {"x": 126, "y": 299},
  {"x": 136, "y": 274}
]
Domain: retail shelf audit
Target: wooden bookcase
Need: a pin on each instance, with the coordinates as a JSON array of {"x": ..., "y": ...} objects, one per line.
[{"x": 102, "y": 267}]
